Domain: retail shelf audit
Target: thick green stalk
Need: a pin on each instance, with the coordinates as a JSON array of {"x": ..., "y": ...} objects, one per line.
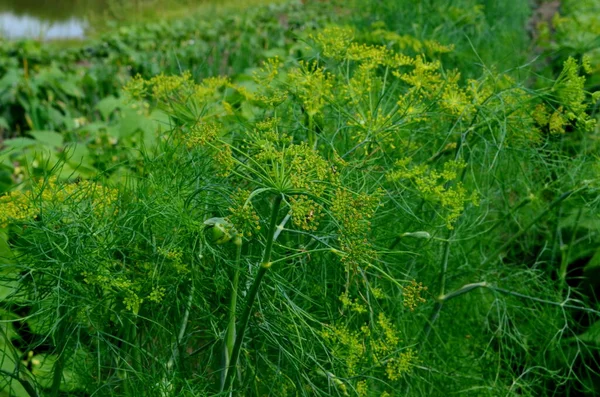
[
  {"x": 264, "y": 267},
  {"x": 133, "y": 352},
  {"x": 230, "y": 335},
  {"x": 60, "y": 361}
]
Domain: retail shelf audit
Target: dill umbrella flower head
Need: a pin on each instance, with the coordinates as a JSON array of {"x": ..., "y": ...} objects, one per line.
[
  {"x": 71, "y": 199},
  {"x": 353, "y": 211},
  {"x": 161, "y": 87},
  {"x": 312, "y": 86},
  {"x": 434, "y": 185},
  {"x": 269, "y": 94},
  {"x": 334, "y": 41},
  {"x": 201, "y": 134},
  {"x": 306, "y": 213},
  {"x": 424, "y": 77},
  {"x": 242, "y": 216},
  {"x": 568, "y": 98},
  {"x": 411, "y": 295},
  {"x": 15, "y": 206},
  {"x": 399, "y": 366},
  {"x": 292, "y": 169}
]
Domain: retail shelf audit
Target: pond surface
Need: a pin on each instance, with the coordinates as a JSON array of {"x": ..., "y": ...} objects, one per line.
[{"x": 53, "y": 19}]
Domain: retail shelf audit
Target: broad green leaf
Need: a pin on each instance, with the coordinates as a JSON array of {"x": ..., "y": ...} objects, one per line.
[
  {"x": 11, "y": 77},
  {"x": 6, "y": 255},
  {"x": 19, "y": 143},
  {"x": 49, "y": 138},
  {"x": 58, "y": 118},
  {"x": 43, "y": 319},
  {"x": 108, "y": 105},
  {"x": 42, "y": 368},
  {"x": 8, "y": 330},
  {"x": 12, "y": 387},
  {"x": 592, "y": 334},
  {"x": 70, "y": 88},
  {"x": 131, "y": 122},
  {"x": 77, "y": 154}
]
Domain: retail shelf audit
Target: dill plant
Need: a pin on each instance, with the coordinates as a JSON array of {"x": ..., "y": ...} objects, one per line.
[
  {"x": 358, "y": 220},
  {"x": 364, "y": 110}
]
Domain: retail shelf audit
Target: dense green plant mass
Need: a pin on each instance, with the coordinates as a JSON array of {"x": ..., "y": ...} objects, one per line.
[
  {"x": 76, "y": 92},
  {"x": 573, "y": 31},
  {"x": 355, "y": 215}
]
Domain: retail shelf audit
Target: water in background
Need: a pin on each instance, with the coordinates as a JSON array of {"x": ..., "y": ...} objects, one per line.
[
  {"x": 56, "y": 19},
  {"x": 46, "y": 19}
]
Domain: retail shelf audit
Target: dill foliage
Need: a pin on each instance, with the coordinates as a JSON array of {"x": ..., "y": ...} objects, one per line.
[{"x": 363, "y": 213}]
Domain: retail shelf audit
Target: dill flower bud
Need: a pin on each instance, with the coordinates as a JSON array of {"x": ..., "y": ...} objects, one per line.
[{"x": 221, "y": 231}]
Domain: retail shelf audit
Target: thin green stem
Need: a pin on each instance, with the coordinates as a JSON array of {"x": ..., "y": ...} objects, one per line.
[
  {"x": 262, "y": 270},
  {"x": 462, "y": 290},
  {"x": 312, "y": 135},
  {"x": 566, "y": 253},
  {"x": 303, "y": 253},
  {"x": 521, "y": 232},
  {"x": 483, "y": 284},
  {"x": 443, "y": 274},
  {"x": 182, "y": 328}
]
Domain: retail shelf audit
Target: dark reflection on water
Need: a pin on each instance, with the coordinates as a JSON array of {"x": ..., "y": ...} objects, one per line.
[{"x": 47, "y": 19}]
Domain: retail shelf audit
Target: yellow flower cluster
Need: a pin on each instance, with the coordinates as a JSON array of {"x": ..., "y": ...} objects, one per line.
[
  {"x": 569, "y": 96},
  {"x": 375, "y": 346},
  {"x": 347, "y": 345},
  {"x": 353, "y": 213},
  {"x": 132, "y": 302},
  {"x": 114, "y": 286},
  {"x": 267, "y": 132},
  {"x": 308, "y": 169},
  {"x": 334, "y": 41},
  {"x": 167, "y": 87},
  {"x": 15, "y": 207},
  {"x": 312, "y": 86},
  {"x": 352, "y": 304},
  {"x": 242, "y": 214},
  {"x": 210, "y": 86},
  {"x": 306, "y": 213},
  {"x": 175, "y": 258},
  {"x": 456, "y": 100},
  {"x": 201, "y": 135},
  {"x": 397, "y": 367},
  {"x": 296, "y": 167},
  {"x": 157, "y": 294},
  {"x": 407, "y": 42},
  {"x": 424, "y": 78},
  {"x": 411, "y": 295},
  {"x": 434, "y": 185},
  {"x": 22, "y": 206},
  {"x": 268, "y": 92}
]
